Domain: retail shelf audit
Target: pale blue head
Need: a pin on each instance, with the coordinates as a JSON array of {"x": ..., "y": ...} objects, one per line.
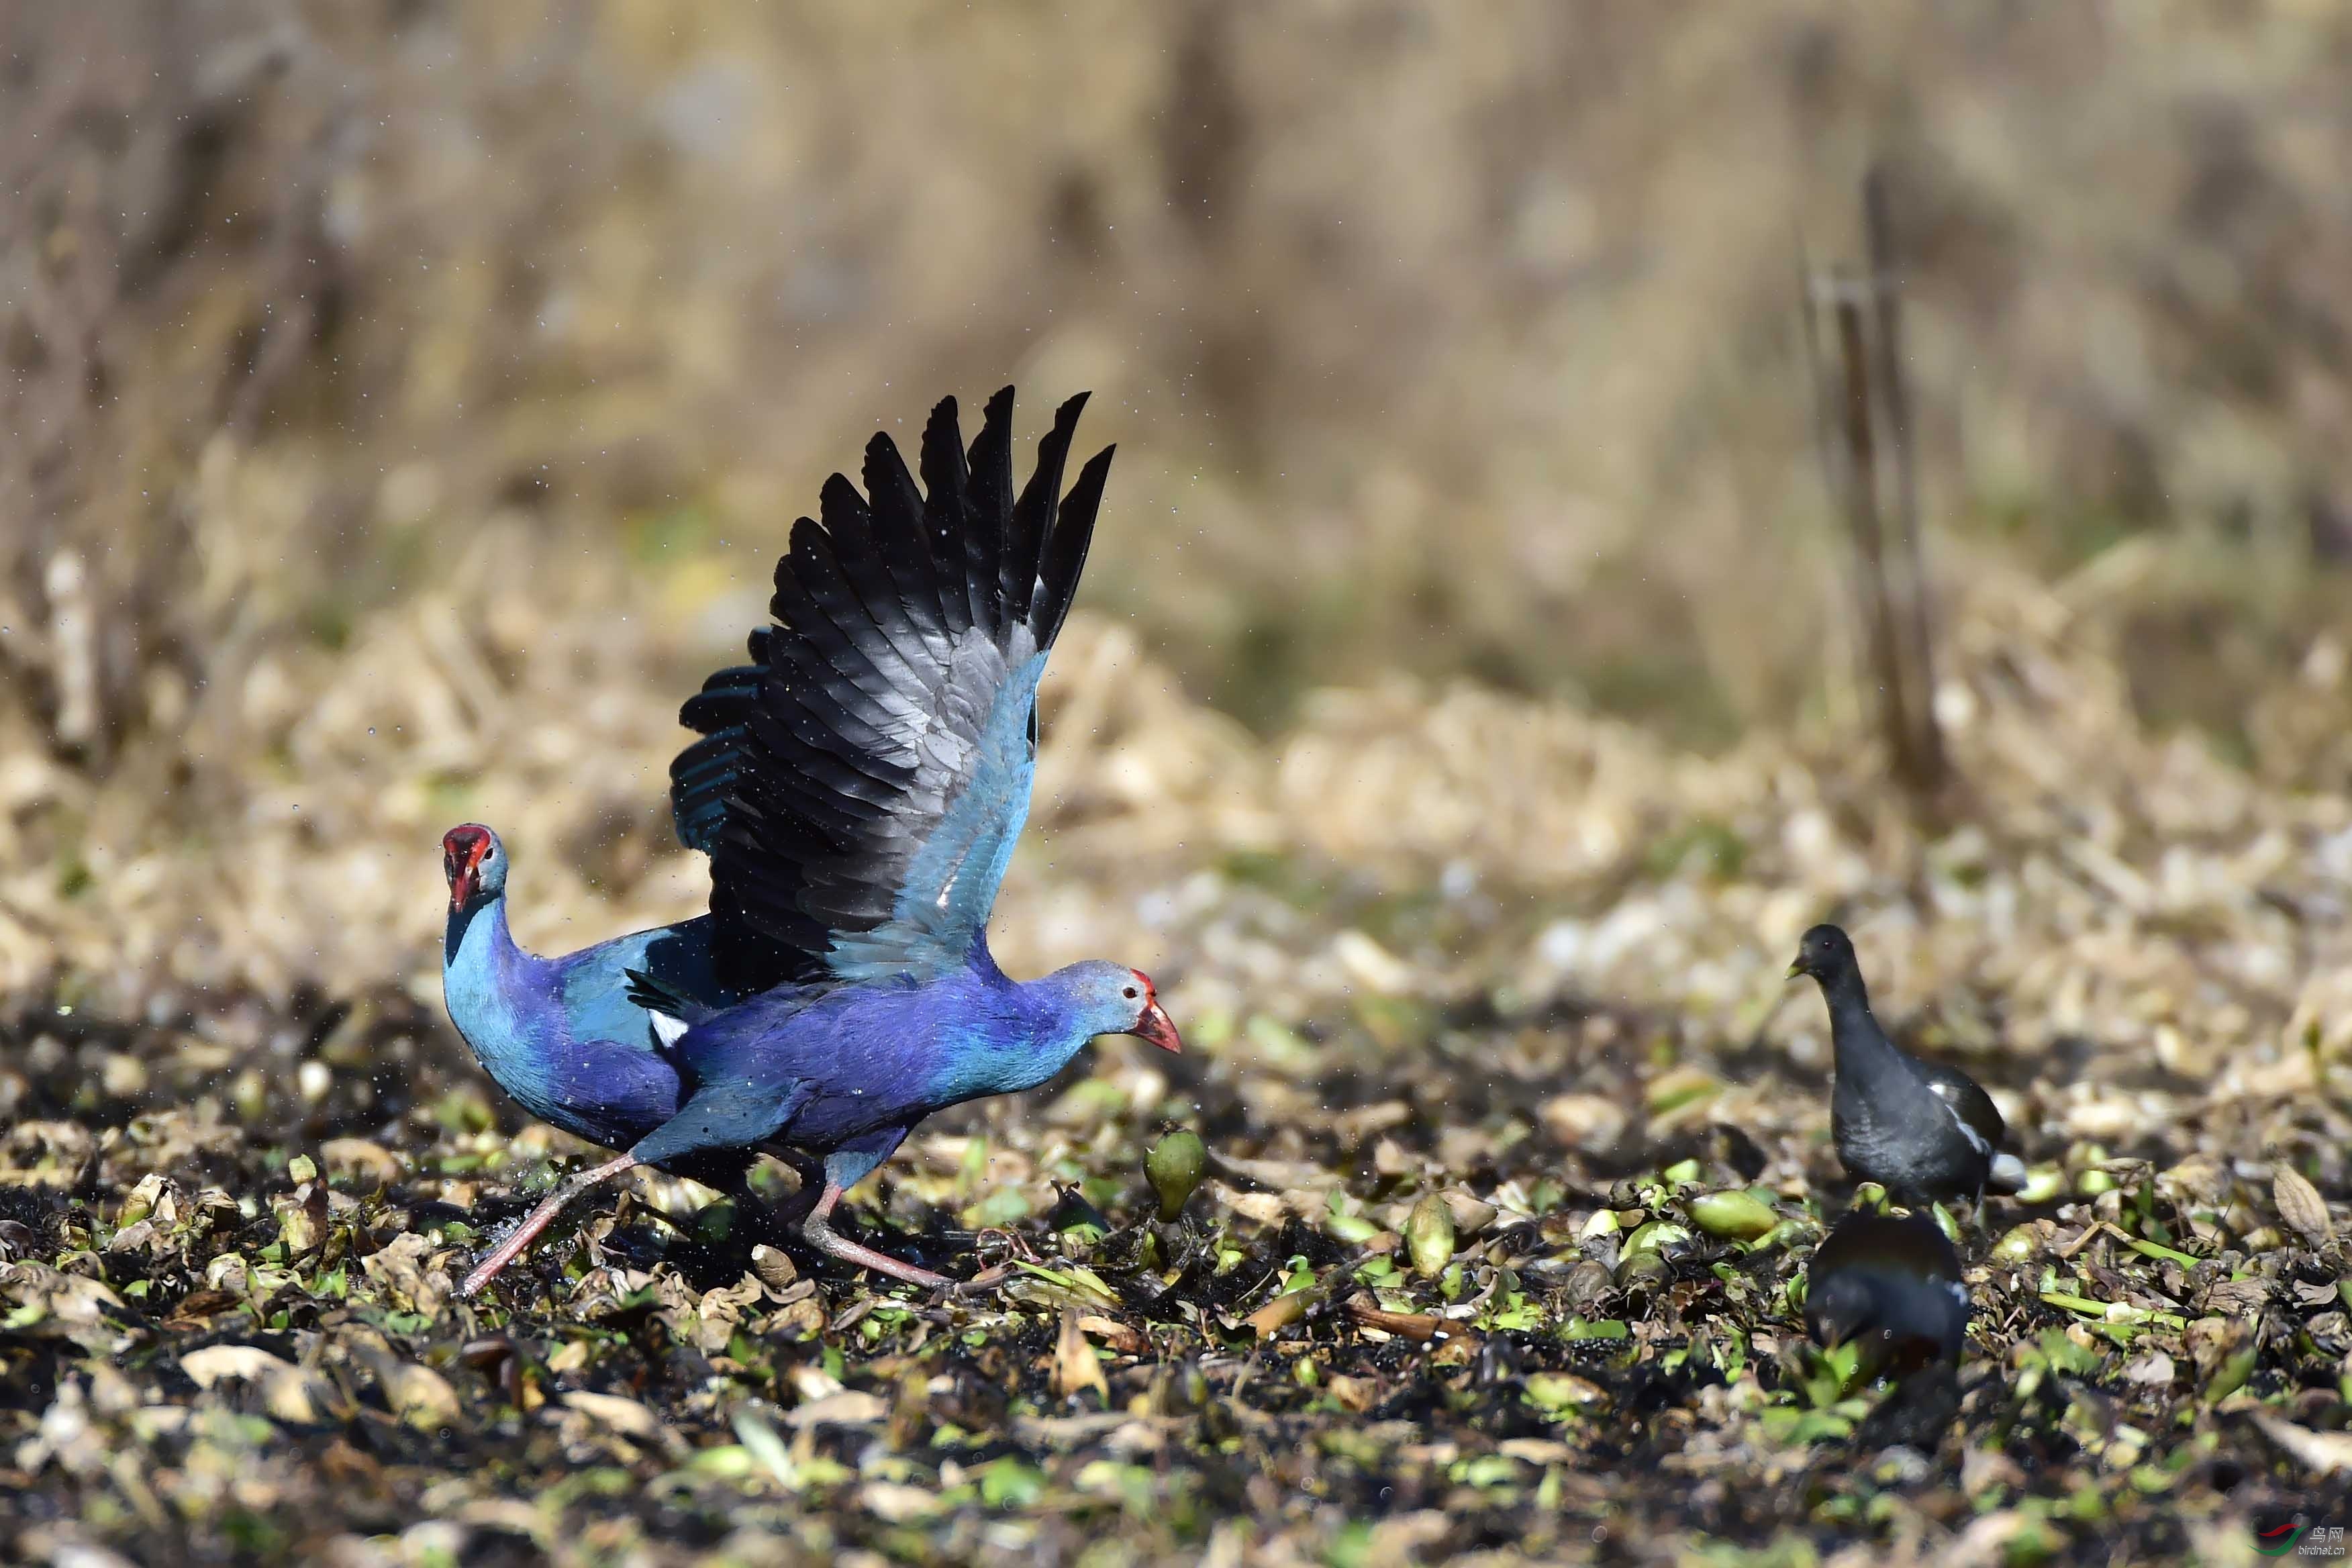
[
  {"x": 476, "y": 864},
  {"x": 1106, "y": 998}
]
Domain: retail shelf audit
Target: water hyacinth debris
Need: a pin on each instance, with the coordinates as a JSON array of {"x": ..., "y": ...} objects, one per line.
[{"x": 1174, "y": 1166}]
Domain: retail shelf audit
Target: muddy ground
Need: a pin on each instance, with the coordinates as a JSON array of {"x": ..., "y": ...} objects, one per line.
[{"x": 1430, "y": 943}]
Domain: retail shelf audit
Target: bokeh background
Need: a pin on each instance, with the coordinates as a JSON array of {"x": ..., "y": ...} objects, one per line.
[{"x": 405, "y": 401}]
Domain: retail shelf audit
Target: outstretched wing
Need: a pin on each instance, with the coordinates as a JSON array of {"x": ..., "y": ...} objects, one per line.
[{"x": 861, "y": 780}]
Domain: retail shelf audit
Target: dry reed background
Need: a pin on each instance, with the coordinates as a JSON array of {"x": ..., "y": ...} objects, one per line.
[{"x": 404, "y": 404}]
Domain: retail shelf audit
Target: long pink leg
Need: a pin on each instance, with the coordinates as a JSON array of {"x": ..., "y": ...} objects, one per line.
[
  {"x": 825, "y": 1239},
  {"x": 514, "y": 1245}
]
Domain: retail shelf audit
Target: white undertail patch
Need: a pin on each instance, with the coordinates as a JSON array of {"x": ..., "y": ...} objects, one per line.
[{"x": 666, "y": 1029}]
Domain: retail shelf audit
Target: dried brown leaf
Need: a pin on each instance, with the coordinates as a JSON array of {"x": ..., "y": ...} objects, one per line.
[
  {"x": 1076, "y": 1365},
  {"x": 1280, "y": 1313},
  {"x": 849, "y": 1407},
  {"x": 1113, "y": 1333},
  {"x": 2300, "y": 1204},
  {"x": 624, "y": 1415},
  {"x": 211, "y": 1364},
  {"x": 1411, "y": 1325},
  {"x": 2321, "y": 1453}
]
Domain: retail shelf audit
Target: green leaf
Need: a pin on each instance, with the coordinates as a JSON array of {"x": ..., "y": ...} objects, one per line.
[
  {"x": 1513, "y": 1310},
  {"x": 2163, "y": 1254},
  {"x": 1485, "y": 1470},
  {"x": 1604, "y": 1329},
  {"x": 1076, "y": 1280},
  {"x": 1010, "y": 1483},
  {"x": 1655, "y": 1235},
  {"x": 1350, "y": 1546}
]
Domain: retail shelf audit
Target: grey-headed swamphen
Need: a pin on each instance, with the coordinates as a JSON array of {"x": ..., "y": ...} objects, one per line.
[
  {"x": 859, "y": 788},
  {"x": 1923, "y": 1130},
  {"x": 565, "y": 1035}
]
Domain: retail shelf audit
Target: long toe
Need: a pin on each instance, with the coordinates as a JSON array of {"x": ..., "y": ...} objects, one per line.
[
  {"x": 987, "y": 1279},
  {"x": 482, "y": 1273},
  {"x": 823, "y": 1236},
  {"x": 520, "y": 1238},
  {"x": 493, "y": 1263}
]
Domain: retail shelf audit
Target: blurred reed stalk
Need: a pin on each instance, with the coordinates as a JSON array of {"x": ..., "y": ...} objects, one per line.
[{"x": 1861, "y": 410}]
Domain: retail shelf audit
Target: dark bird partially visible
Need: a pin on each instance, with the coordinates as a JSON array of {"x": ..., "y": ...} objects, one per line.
[
  {"x": 1892, "y": 1285},
  {"x": 859, "y": 787},
  {"x": 1924, "y": 1132}
]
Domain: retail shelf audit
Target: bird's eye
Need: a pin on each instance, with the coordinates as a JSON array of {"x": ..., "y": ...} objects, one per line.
[{"x": 1130, "y": 992}]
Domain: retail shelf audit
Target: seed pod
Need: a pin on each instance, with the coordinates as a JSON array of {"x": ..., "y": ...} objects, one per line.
[
  {"x": 2044, "y": 1184},
  {"x": 2017, "y": 1245},
  {"x": 775, "y": 1270},
  {"x": 1656, "y": 1235},
  {"x": 2300, "y": 1204},
  {"x": 1429, "y": 1235},
  {"x": 299, "y": 1226},
  {"x": 1642, "y": 1271},
  {"x": 1471, "y": 1214},
  {"x": 1586, "y": 1282},
  {"x": 1174, "y": 1166},
  {"x": 2232, "y": 1372},
  {"x": 1735, "y": 1216}
]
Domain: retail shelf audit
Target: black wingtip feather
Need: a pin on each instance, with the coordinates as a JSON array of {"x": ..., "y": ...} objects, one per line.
[
  {"x": 899, "y": 537},
  {"x": 1066, "y": 550},
  {"x": 988, "y": 513},
  {"x": 1032, "y": 514},
  {"x": 990, "y": 461},
  {"x": 945, "y": 523},
  {"x": 1066, "y": 417},
  {"x": 844, "y": 510}
]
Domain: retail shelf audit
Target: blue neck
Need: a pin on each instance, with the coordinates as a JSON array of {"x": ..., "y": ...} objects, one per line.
[
  {"x": 1022, "y": 1033},
  {"x": 1058, "y": 1037},
  {"x": 496, "y": 995}
]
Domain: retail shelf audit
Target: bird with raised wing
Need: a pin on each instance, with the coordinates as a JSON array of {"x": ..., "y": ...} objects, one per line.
[
  {"x": 1923, "y": 1130},
  {"x": 859, "y": 787},
  {"x": 573, "y": 1039}
]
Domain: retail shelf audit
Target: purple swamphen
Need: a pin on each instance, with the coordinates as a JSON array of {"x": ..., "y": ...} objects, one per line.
[
  {"x": 859, "y": 787},
  {"x": 565, "y": 1035}
]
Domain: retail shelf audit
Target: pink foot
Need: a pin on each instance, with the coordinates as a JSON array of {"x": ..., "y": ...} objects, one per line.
[{"x": 517, "y": 1242}]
